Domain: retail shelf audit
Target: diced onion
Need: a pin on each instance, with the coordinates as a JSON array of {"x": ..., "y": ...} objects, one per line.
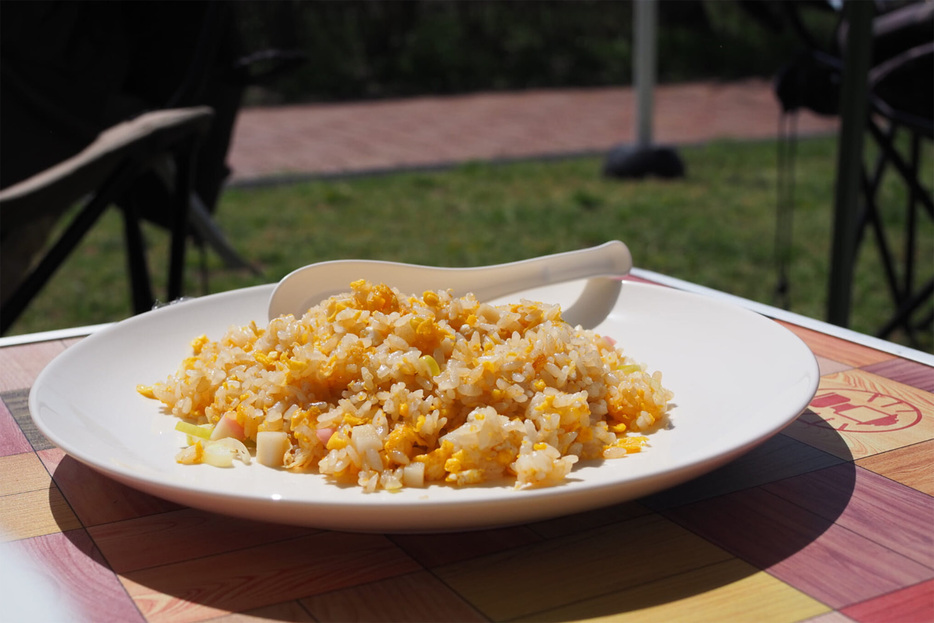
[
  {"x": 221, "y": 453},
  {"x": 218, "y": 455},
  {"x": 413, "y": 474},
  {"x": 236, "y": 446},
  {"x": 271, "y": 447},
  {"x": 364, "y": 438}
]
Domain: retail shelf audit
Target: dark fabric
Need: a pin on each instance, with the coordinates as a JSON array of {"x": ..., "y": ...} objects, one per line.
[
  {"x": 61, "y": 63},
  {"x": 71, "y": 69},
  {"x": 812, "y": 79}
]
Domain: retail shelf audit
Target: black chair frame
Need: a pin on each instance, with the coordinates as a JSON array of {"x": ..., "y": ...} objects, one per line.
[{"x": 179, "y": 142}]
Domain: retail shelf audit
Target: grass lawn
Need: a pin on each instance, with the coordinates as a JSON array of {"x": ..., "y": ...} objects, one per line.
[{"x": 715, "y": 227}]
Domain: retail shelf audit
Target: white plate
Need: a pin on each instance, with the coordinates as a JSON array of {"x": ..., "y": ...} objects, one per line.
[{"x": 738, "y": 379}]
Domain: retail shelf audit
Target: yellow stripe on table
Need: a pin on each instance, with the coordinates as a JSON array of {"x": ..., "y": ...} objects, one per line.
[{"x": 728, "y": 591}]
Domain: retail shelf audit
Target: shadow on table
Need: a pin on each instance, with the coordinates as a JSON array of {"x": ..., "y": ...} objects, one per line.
[{"x": 708, "y": 534}]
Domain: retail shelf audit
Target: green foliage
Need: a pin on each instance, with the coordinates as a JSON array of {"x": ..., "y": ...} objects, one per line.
[
  {"x": 364, "y": 49},
  {"x": 715, "y": 227}
]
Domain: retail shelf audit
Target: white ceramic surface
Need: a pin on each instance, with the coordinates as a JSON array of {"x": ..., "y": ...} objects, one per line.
[
  {"x": 738, "y": 378},
  {"x": 604, "y": 265}
]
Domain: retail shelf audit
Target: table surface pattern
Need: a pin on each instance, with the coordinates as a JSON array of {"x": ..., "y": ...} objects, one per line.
[{"x": 828, "y": 521}]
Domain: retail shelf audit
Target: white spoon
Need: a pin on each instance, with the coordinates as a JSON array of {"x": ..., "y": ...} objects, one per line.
[{"x": 603, "y": 265}]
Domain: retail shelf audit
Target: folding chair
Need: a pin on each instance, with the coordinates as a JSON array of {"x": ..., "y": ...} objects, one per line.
[
  {"x": 98, "y": 177},
  {"x": 900, "y": 108},
  {"x": 900, "y": 88},
  {"x": 71, "y": 70}
]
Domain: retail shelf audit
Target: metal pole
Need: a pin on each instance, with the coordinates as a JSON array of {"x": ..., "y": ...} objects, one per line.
[
  {"x": 645, "y": 25},
  {"x": 854, "y": 110},
  {"x": 642, "y": 158}
]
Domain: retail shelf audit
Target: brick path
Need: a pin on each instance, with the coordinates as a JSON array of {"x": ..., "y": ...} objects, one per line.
[{"x": 328, "y": 139}]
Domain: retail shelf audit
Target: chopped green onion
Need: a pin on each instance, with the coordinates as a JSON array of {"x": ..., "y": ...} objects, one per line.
[
  {"x": 630, "y": 368},
  {"x": 204, "y": 432},
  {"x": 433, "y": 366}
]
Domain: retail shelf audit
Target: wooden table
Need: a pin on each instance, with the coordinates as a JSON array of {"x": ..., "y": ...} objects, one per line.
[{"x": 830, "y": 521}]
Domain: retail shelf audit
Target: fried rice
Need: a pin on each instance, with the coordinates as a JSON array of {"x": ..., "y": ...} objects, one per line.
[{"x": 388, "y": 390}]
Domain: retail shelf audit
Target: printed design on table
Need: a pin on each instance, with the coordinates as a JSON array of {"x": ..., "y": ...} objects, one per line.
[{"x": 860, "y": 411}]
